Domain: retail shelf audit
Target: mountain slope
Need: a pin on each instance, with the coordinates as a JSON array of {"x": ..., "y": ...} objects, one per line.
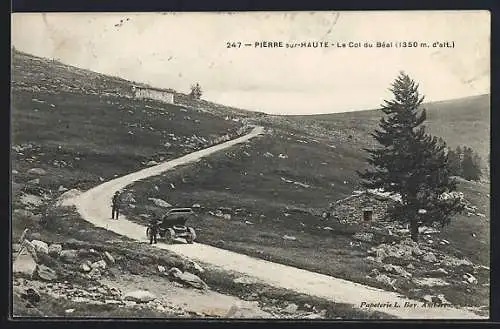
[
  {"x": 83, "y": 126},
  {"x": 464, "y": 121}
]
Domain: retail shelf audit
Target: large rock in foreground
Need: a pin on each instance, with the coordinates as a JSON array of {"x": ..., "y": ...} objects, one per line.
[
  {"x": 46, "y": 273},
  {"x": 24, "y": 264},
  {"x": 40, "y": 247},
  {"x": 187, "y": 278},
  {"x": 139, "y": 296}
]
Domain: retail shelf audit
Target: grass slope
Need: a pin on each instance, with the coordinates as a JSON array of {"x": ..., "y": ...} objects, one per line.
[
  {"x": 280, "y": 184},
  {"x": 464, "y": 121},
  {"x": 82, "y": 127}
]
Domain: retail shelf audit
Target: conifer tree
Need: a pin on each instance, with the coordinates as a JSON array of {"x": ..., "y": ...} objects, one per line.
[
  {"x": 411, "y": 163},
  {"x": 196, "y": 91}
]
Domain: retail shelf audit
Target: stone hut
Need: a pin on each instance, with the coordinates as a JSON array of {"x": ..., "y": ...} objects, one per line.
[
  {"x": 363, "y": 206},
  {"x": 163, "y": 95}
]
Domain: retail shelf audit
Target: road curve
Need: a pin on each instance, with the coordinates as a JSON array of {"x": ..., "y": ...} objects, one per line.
[{"x": 94, "y": 206}]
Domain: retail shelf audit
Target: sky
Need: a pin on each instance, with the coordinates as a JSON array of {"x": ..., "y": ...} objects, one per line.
[{"x": 175, "y": 50}]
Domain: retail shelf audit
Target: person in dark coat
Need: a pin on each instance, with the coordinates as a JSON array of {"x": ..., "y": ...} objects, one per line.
[
  {"x": 115, "y": 206},
  {"x": 154, "y": 227}
]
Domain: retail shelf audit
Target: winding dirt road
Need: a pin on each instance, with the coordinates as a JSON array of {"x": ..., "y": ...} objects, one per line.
[{"x": 94, "y": 206}]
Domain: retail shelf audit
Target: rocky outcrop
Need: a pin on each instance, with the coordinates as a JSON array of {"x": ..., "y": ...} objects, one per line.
[
  {"x": 139, "y": 296},
  {"x": 69, "y": 255},
  {"x": 36, "y": 171},
  {"x": 187, "y": 278},
  {"x": 40, "y": 247},
  {"x": 55, "y": 250},
  {"x": 46, "y": 273},
  {"x": 24, "y": 264},
  {"x": 160, "y": 203}
]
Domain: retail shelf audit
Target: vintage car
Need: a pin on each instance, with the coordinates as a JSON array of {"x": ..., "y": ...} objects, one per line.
[{"x": 173, "y": 225}]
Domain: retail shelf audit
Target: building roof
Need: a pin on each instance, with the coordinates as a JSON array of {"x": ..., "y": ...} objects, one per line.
[
  {"x": 379, "y": 194},
  {"x": 153, "y": 88}
]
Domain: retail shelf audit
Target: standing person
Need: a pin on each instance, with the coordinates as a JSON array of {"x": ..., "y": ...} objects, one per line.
[
  {"x": 154, "y": 228},
  {"x": 115, "y": 205}
]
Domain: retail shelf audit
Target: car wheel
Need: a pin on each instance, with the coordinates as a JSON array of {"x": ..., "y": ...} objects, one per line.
[
  {"x": 192, "y": 235},
  {"x": 169, "y": 235}
]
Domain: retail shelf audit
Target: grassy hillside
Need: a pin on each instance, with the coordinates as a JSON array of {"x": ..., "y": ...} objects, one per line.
[
  {"x": 464, "y": 121},
  {"x": 83, "y": 127},
  {"x": 77, "y": 129},
  {"x": 279, "y": 184}
]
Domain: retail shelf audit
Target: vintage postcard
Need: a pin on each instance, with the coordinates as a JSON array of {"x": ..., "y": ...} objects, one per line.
[{"x": 256, "y": 165}]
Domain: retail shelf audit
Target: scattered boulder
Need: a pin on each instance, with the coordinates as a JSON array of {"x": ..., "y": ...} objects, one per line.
[
  {"x": 268, "y": 155},
  {"x": 291, "y": 308},
  {"x": 37, "y": 171},
  {"x": 61, "y": 189},
  {"x": 161, "y": 268},
  {"x": 55, "y": 250},
  {"x": 245, "y": 280},
  {"x": 63, "y": 199},
  {"x": 363, "y": 236},
  {"x": 428, "y": 298},
  {"x": 31, "y": 295},
  {"x": 85, "y": 267},
  {"x": 431, "y": 282},
  {"x": 313, "y": 316},
  {"x": 35, "y": 181},
  {"x": 69, "y": 255},
  {"x": 239, "y": 311},
  {"x": 31, "y": 200},
  {"x": 450, "y": 261},
  {"x": 16, "y": 247},
  {"x": 194, "y": 267},
  {"x": 24, "y": 264},
  {"x": 160, "y": 203},
  {"x": 110, "y": 259},
  {"x": 439, "y": 272},
  {"x": 95, "y": 273},
  {"x": 46, "y": 273},
  {"x": 289, "y": 237},
  {"x": 384, "y": 279},
  {"x": 29, "y": 248},
  {"x": 220, "y": 243},
  {"x": 101, "y": 264},
  {"x": 196, "y": 205},
  {"x": 470, "y": 278},
  {"x": 395, "y": 269},
  {"x": 439, "y": 299},
  {"x": 40, "y": 247},
  {"x": 429, "y": 257},
  {"x": 152, "y": 163},
  {"x": 227, "y": 216},
  {"x": 128, "y": 197},
  {"x": 139, "y": 296},
  {"x": 187, "y": 278}
]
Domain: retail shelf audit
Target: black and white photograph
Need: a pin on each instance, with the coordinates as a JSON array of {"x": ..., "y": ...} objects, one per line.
[{"x": 278, "y": 165}]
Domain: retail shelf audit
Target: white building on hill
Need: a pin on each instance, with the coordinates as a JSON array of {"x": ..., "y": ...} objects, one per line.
[{"x": 163, "y": 95}]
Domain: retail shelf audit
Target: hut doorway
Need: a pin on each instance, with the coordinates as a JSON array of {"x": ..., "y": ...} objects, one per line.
[{"x": 367, "y": 214}]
